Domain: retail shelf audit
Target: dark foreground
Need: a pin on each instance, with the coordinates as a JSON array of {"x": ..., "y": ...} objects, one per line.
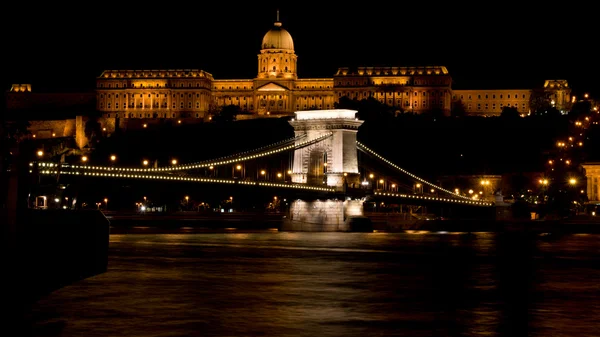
[{"x": 270, "y": 283}]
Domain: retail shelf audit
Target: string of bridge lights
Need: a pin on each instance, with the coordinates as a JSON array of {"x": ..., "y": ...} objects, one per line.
[
  {"x": 365, "y": 148},
  {"x": 144, "y": 173},
  {"x": 52, "y": 169},
  {"x": 209, "y": 163},
  {"x": 425, "y": 197}
]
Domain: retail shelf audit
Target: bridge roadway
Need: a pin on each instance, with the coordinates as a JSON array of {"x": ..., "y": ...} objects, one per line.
[{"x": 299, "y": 190}]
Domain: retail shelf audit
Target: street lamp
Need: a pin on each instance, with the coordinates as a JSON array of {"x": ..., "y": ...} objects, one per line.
[
  {"x": 418, "y": 188},
  {"x": 113, "y": 158},
  {"x": 145, "y": 162},
  {"x": 174, "y": 161},
  {"x": 106, "y": 203},
  {"x": 40, "y": 153}
]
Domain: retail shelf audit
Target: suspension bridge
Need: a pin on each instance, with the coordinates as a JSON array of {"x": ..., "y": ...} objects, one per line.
[{"x": 328, "y": 164}]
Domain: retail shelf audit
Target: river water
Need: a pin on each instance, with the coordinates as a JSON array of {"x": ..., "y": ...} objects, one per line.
[{"x": 270, "y": 283}]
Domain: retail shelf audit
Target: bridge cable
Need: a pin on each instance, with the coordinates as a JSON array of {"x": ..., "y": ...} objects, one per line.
[{"x": 362, "y": 147}]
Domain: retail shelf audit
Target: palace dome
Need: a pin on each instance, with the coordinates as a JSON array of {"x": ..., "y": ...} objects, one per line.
[{"x": 277, "y": 38}]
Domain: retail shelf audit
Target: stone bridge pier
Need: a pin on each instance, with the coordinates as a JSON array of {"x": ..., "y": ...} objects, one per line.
[{"x": 332, "y": 161}]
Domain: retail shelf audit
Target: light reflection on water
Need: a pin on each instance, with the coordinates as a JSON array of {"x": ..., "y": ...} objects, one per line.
[{"x": 333, "y": 284}]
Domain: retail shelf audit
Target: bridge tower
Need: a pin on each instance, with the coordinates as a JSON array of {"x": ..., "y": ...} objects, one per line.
[{"x": 332, "y": 161}]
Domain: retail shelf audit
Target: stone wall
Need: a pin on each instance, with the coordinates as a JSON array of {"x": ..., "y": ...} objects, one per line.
[
  {"x": 323, "y": 215},
  {"x": 53, "y": 128}
]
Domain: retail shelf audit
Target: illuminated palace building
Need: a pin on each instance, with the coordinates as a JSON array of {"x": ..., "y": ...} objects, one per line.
[{"x": 276, "y": 90}]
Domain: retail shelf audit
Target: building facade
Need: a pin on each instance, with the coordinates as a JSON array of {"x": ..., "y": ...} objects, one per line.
[
  {"x": 122, "y": 95},
  {"x": 491, "y": 102},
  {"x": 277, "y": 91}
]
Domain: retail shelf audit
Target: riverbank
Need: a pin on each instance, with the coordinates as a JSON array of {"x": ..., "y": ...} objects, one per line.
[{"x": 381, "y": 222}]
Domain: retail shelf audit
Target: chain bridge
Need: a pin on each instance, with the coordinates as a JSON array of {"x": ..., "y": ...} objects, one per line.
[{"x": 330, "y": 175}]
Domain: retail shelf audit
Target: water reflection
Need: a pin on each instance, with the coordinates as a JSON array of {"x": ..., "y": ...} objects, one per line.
[{"x": 333, "y": 284}]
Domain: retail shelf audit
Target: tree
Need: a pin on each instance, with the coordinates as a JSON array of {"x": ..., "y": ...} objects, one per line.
[
  {"x": 346, "y": 102},
  {"x": 509, "y": 112},
  {"x": 580, "y": 108},
  {"x": 434, "y": 113},
  {"x": 227, "y": 113},
  {"x": 92, "y": 130},
  {"x": 539, "y": 101},
  {"x": 458, "y": 109}
]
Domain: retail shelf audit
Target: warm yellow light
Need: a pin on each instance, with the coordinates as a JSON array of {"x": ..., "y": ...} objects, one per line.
[
  {"x": 84, "y": 158},
  {"x": 239, "y": 167},
  {"x": 381, "y": 181},
  {"x": 371, "y": 175},
  {"x": 262, "y": 172},
  {"x": 145, "y": 162},
  {"x": 113, "y": 157},
  {"x": 174, "y": 161},
  {"x": 40, "y": 153}
]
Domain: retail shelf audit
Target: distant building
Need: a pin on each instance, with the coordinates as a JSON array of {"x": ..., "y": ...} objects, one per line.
[
  {"x": 124, "y": 97},
  {"x": 276, "y": 90}
]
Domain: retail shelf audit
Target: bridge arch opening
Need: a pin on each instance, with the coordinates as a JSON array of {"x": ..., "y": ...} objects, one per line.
[{"x": 317, "y": 166}]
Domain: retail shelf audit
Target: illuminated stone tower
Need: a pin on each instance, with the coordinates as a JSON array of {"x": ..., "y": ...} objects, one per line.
[{"x": 332, "y": 161}]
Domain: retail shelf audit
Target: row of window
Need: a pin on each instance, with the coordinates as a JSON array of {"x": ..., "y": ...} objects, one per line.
[
  {"x": 205, "y": 84},
  {"x": 131, "y": 96},
  {"x": 140, "y": 105},
  {"x": 384, "y": 82},
  {"x": 387, "y": 94},
  {"x": 154, "y": 115},
  {"x": 487, "y": 96},
  {"x": 487, "y": 106}
]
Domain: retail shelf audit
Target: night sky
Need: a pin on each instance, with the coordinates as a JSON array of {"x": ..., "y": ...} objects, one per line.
[{"x": 504, "y": 45}]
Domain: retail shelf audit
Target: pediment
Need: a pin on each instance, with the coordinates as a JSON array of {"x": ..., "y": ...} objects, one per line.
[{"x": 272, "y": 87}]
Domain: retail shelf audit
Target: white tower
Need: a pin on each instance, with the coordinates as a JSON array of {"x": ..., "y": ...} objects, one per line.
[{"x": 332, "y": 161}]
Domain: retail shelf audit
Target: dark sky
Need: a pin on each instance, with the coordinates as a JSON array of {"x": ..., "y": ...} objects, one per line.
[{"x": 60, "y": 46}]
